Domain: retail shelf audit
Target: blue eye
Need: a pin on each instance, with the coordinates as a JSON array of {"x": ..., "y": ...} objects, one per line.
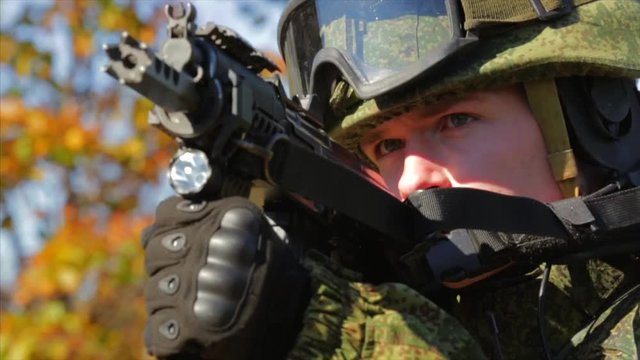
[
  {"x": 458, "y": 120},
  {"x": 388, "y": 146}
]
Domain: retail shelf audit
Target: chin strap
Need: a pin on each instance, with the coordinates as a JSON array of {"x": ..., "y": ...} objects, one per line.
[
  {"x": 544, "y": 102},
  {"x": 482, "y": 231}
]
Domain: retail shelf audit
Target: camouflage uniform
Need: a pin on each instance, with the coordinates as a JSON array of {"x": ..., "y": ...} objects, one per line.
[
  {"x": 348, "y": 319},
  {"x": 577, "y": 327},
  {"x": 592, "y": 307}
]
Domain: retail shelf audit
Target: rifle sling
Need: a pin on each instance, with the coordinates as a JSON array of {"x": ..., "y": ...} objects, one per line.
[{"x": 296, "y": 169}]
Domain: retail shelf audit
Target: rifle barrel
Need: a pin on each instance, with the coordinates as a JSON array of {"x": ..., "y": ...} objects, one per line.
[{"x": 136, "y": 66}]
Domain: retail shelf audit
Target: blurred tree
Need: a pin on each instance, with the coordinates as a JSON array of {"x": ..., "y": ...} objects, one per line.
[{"x": 80, "y": 297}]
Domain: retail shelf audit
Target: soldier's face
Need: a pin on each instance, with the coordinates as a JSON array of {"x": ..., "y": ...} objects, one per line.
[{"x": 489, "y": 140}]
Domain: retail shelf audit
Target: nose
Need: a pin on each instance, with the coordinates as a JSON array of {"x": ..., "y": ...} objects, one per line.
[{"x": 420, "y": 173}]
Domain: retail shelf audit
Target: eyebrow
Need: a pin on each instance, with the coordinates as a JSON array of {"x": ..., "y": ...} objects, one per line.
[
  {"x": 374, "y": 135},
  {"x": 371, "y": 136},
  {"x": 434, "y": 110}
]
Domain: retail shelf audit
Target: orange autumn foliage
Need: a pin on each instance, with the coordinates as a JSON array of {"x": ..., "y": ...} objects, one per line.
[{"x": 81, "y": 296}]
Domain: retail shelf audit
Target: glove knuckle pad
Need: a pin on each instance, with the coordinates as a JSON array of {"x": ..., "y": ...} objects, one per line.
[
  {"x": 241, "y": 218},
  {"x": 223, "y": 280},
  {"x": 214, "y": 310},
  {"x": 235, "y": 247}
]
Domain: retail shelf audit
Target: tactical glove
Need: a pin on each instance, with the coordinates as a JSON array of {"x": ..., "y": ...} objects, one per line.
[{"x": 221, "y": 284}]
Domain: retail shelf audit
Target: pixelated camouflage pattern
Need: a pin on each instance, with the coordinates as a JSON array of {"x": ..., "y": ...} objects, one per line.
[
  {"x": 615, "y": 334},
  {"x": 575, "y": 295},
  {"x": 597, "y": 39},
  {"x": 348, "y": 319},
  {"x": 387, "y": 44}
]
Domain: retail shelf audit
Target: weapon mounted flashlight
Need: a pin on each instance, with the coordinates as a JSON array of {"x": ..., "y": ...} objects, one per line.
[{"x": 189, "y": 172}]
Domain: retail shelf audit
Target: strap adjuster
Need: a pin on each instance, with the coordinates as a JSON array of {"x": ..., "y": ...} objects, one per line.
[{"x": 546, "y": 15}]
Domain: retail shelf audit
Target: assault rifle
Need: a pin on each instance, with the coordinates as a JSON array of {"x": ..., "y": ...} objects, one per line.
[{"x": 237, "y": 130}]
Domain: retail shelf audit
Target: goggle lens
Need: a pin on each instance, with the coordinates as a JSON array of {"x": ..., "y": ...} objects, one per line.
[
  {"x": 382, "y": 37},
  {"x": 369, "y": 41}
]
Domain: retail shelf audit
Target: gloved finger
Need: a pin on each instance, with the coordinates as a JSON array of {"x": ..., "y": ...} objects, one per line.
[
  {"x": 166, "y": 289},
  {"x": 177, "y": 211},
  {"x": 218, "y": 270},
  {"x": 218, "y": 278},
  {"x": 166, "y": 249},
  {"x": 165, "y": 333}
]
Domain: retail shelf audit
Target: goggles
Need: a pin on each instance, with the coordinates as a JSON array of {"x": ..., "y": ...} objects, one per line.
[
  {"x": 380, "y": 45},
  {"x": 376, "y": 45}
]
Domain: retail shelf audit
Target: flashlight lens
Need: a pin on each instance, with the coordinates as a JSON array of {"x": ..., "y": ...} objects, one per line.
[{"x": 189, "y": 172}]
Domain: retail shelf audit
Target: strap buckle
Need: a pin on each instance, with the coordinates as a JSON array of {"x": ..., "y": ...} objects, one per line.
[{"x": 548, "y": 15}]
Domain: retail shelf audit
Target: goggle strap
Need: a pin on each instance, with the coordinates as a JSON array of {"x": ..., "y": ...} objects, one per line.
[
  {"x": 481, "y": 13},
  {"x": 545, "y": 105}
]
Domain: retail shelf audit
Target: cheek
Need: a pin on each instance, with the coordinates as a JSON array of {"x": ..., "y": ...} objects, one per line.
[
  {"x": 480, "y": 161},
  {"x": 507, "y": 157},
  {"x": 482, "y": 153},
  {"x": 525, "y": 151},
  {"x": 391, "y": 171}
]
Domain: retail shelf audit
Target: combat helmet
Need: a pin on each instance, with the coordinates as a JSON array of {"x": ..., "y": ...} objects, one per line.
[{"x": 358, "y": 63}]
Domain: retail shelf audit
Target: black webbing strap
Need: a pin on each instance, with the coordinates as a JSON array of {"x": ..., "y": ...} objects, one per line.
[
  {"x": 591, "y": 218},
  {"x": 477, "y": 224},
  {"x": 462, "y": 208},
  {"x": 617, "y": 210},
  {"x": 296, "y": 169},
  {"x": 482, "y": 210},
  {"x": 480, "y": 225}
]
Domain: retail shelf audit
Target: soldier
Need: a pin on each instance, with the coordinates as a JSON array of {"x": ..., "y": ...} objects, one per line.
[{"x": 528, "y": 98}]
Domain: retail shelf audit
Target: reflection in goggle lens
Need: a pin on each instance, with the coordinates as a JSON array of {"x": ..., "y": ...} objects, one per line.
[{"x": 381, "y": 37}]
